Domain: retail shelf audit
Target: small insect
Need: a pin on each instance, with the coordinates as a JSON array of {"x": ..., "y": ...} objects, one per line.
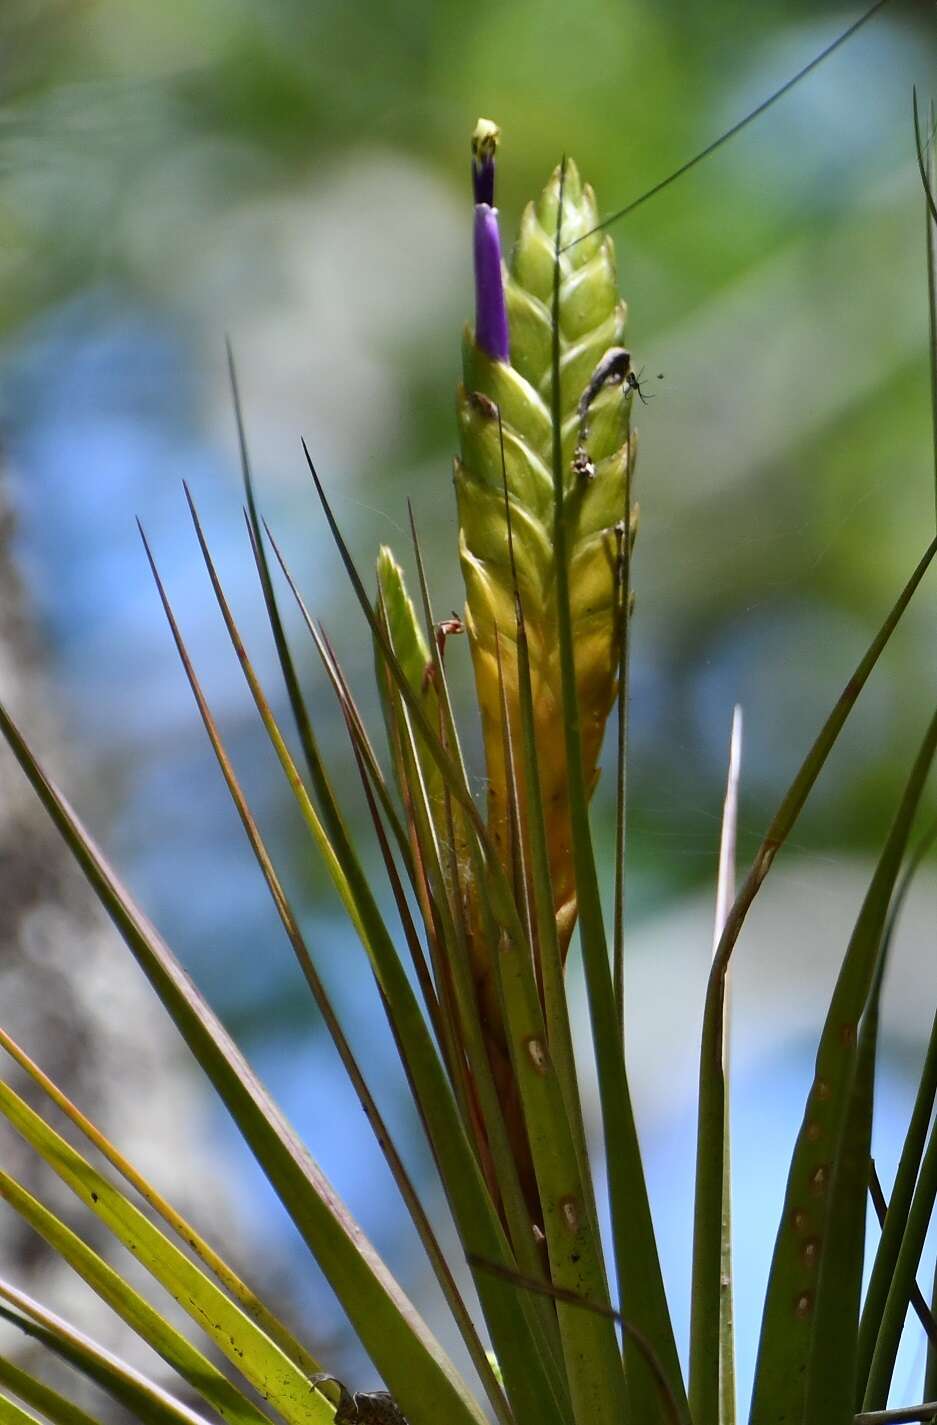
[
  {"x": 363, "y": 1408},
  {"x": 634, "y": 382}
]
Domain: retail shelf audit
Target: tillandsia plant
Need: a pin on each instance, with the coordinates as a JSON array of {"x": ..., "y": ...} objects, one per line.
[{"x": 471, "y": 974}]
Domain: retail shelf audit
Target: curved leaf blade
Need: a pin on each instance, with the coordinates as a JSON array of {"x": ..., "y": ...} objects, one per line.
[
  {"x": 831, "y": 1371},
  {"x": 474, "y": 1212},
  {"x": 903, "y": 1281},
  {"x": 391, "y": 1331},
  {"x": 13, "y": 1414},
  {"x": 641, "y": 1290},
  {"x": 248, "y": 1348},
  {"x": 707, "y": 1230},
  {"x": 247, "y": 1299},
  {"x": 146, "y": 1401},
  {"x": 49, "y": 1402},
  {"x": 149, "y": 1324},
  {"x": 801, "y": 1250},
  {"x": 909, "y": 1162}
]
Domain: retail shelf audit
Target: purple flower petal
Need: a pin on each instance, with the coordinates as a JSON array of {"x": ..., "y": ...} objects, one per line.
[
  {"x": 483, "y": 178},
  {"x": 491, "y": 318}
]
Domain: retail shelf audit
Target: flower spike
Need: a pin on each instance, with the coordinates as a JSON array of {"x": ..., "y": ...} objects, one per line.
[{"x": 504, "y": 406}]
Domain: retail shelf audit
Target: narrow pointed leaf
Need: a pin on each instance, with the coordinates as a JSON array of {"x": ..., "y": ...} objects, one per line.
[
  {"x": 287, "y": 666},
  {"x": 903, "y": 1281},
  {"x": 249, "y": 1349},
  {"x": 921, "y": 1309},
  {"x": 518, "y": 1219},
  {"x": 443, "y": 759},
  {"x": 831, "y": 1370},
  {"x": 417, "y": 662},
  {"x": 472, "y": 1208},
  {"x": 896, "y": 1218},
  {"x": 146, "y": 1401},
  {"x": 544, "y": 1340},
  {"x": 549, "y": 951},
  {"x": 803, "y": 1239},
  {"x": 930, "y": 1369},
  {"x": 640, "y": 1282},
  {"x": 423, "y": 794},
  {"x": 391, "y": 1331},
  {"x": 621, "y": 780},
  {"x": 13, "y": 1414},
  {"x": 364, "y": 917},
  {"x": 725, "y": 896},
  {"x": 247, "y": 1299},
  {"x": 48, "y": 1402},
  {"x": 711, "y": 1113},
  {"x": 711, "y": 1388},
  {"x": 593, "y": 1362},
  {"x": 130, "y": 1306}
]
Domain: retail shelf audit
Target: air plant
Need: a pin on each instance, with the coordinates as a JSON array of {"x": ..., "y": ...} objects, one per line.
[{"x": 487, "y": 901}]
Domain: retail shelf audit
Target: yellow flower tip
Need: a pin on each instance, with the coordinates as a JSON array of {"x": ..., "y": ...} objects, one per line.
[{"x": 485, "y": 138}]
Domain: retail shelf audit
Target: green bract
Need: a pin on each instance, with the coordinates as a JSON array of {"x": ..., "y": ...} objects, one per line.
[{"x": 505, "y": 430}]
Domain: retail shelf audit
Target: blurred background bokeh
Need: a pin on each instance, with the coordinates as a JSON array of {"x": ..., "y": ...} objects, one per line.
[{"x": 294, "y": 173}]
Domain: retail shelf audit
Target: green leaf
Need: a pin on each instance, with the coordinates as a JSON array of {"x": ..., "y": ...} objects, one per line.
[
  {"x": 831, "y": 1371},
  {"x": 544, "y": 1333},
  {"x": 397, "y": 994},
  {"x": 428, "y": 810},
  {"x": 249, "y": 1349},
  {"x": 921, "y": 1309},
  {"x": 712, "y": 1346},
  {"x": 391, "y": 1331},
  {"x": 452, "y": 773},
  {"x": 471, "y": 1204},
  {"x": 640, "y": 1283},
  {"x": 440, "y": 915},
  {"x": 499, "y": 897},
  {"x": 725, "y": 894},
  {"x": 546, "y": 939},
  {"x": 804, "y": 1235},
  {"x": 130, "y": 1306},
  {"x": 145, "y": 1400},
  {"x": 886, "y": 1255},
  {"x": 593, "y": 1361},
  {"x": 35, "y": 1392},
  {"x": 417, "y": 663},
  {"x": 12, "y": 1414},
  {"x": 903, "y": 1281},
  {"x": 625, "y": 542},
  {"x": 930, "y": 1369},
  {"x": 707, "y": 1231},
  {"x": 374, "y": 786},
  {"x": 247, "y": 1299},
  {"x": 670, "y": 1408}
]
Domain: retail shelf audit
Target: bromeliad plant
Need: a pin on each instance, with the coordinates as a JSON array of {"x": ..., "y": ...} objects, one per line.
[{"x": 487, "y": 901}]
